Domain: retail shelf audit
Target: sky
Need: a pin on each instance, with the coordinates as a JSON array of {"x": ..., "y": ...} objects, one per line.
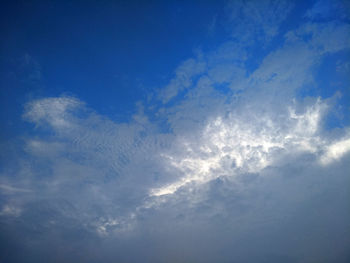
[{"x": 175, "y": 131}]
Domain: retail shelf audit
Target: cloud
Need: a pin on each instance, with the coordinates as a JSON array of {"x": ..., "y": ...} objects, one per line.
[
  {"x": 250, "y": 142},
  {"x": 52, "y": 111},
  {"x": 257, "y": 20},
  {"x": 10, "y": 189},
  {"x": 183, "y": 78},
  {"x": 336, "y": 151},
  {"x": 244, "y": 170},
  {"x": 325, "y": 10}
]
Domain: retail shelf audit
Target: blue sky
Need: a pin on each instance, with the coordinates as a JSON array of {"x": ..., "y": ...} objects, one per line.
[{"x": 153, "y": 131}]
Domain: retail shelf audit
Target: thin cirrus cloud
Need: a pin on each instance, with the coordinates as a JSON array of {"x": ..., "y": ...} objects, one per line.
[{"x": 245, "y": 170}]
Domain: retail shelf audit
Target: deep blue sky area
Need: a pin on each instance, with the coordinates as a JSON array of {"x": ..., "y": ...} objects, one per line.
[
  {"x": 175, "y": 131},
  {"x": 109, "y": 53}
]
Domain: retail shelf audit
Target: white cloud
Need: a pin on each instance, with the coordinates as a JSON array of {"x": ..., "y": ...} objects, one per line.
[
  {"x": 335, "y": 151},
  {"x": 236, "y": 144},
  {"x": 53, "y": 111}
]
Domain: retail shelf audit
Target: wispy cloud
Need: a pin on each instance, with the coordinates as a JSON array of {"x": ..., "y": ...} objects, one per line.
[{"x": 10, "y": 189}]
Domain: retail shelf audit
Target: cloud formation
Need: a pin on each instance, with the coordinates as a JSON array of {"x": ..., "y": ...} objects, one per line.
[{"x": 235, "y": 165}]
